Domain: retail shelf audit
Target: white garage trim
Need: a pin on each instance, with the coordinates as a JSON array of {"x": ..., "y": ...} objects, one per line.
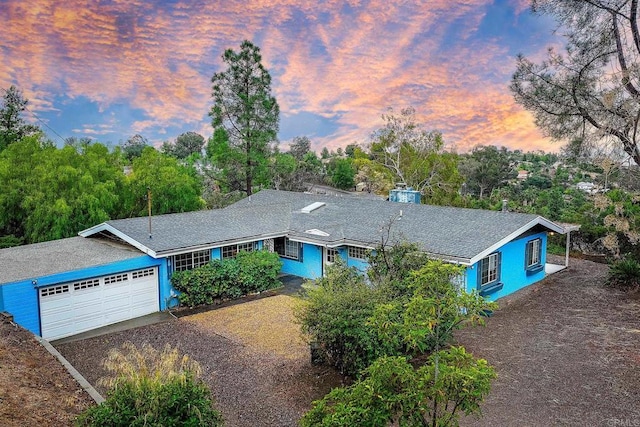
[{"x": 71, "y": 308}]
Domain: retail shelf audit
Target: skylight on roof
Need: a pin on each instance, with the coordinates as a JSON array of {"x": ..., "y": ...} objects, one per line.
[
  {"x": 317, "y": 232},
  {"x": 312, "y": 207}
]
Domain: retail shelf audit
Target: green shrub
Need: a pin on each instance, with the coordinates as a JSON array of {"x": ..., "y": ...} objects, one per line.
[
  {"x": 624, "y": 274},
  {"x": 258, "y": 270},
  {"x": 230, "y": 278},
  {"x": 152, "y": 388},
  {"x": 357, "y": 322},
  {"x": 335, "y": 315},
  {"x": 392, "y": 392}
]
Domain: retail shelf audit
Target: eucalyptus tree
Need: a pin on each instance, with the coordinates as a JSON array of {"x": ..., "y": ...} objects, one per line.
[
  {"x": 416, "y": 156},
  {"x": 590, "y": 92},
  {"x": 245, "y": 108}
]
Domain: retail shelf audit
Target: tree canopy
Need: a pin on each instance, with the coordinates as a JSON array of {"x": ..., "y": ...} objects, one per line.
[
  {"x": 244, "y": 107},
  {"x": 185, "y": 145},
  {"x": 13, "y": 127},
  {"x": 486, "y": 168},
  {"x": 591, "y": 92},
  {"x": 416, "y": 156}
]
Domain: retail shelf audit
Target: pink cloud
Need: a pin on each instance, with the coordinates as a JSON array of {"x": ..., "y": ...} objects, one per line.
[{"x": 344, "y": 66}]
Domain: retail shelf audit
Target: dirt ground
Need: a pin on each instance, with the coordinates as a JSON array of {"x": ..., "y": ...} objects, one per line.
[
  {"x": 35, "y": 390},
  {"x": 566, "y": 351},
  {"x": 252, "y": 357}
]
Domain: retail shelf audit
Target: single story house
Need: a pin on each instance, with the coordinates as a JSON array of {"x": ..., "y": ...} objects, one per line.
[{"x": 122, "y": 269}]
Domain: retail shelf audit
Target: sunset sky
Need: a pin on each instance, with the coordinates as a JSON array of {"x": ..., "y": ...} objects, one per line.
[{"x": 109, "y": 69}]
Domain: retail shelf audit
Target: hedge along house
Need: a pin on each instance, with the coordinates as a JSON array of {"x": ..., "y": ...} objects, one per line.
[{"x": 121, "y": 269}]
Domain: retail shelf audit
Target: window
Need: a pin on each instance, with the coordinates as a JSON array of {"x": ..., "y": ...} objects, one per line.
[
  {"x": 116, "y": 278},
  {"x": 54, "y": 290},
  {"x": 490, "y": 269},
  {"x": 332, "y": 254},
  {"x": 143, "y": 273},
  {"x": 190, "y": 260},
  {"x": 232, "y": 250},
  {"x": 86, "y": 284},
  {"x": 533, "y": 254},
  {"x": 357, "y": 253},
  {"x": 288, "y": 248}
]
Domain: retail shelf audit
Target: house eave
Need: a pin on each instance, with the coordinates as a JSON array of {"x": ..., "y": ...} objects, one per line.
[
  {"x": 89, "y": 232},
  {"x": 549, "y": 225}
]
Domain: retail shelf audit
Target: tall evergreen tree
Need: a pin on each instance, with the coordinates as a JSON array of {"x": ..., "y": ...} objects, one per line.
[{"x": 244, "y": 106}]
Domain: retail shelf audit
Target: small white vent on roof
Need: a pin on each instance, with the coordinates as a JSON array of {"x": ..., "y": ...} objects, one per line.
[
  {"x": 312, "y": 207},
  {"x": 317, "y": 232}
]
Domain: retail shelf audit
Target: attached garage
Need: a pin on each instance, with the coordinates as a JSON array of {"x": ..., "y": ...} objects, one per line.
[{"x": 74, "y": 307}]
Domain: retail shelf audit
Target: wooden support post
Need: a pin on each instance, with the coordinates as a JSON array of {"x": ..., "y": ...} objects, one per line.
[{"x": 566, "y": 256}]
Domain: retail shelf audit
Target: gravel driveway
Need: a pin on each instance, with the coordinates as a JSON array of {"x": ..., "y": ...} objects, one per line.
[
  {"x": 251, "y": 354},
  {"x": 566, "y": 350}
]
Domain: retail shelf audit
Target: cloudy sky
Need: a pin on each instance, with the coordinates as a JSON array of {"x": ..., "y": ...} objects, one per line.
[{"x": 109, "y": 69}]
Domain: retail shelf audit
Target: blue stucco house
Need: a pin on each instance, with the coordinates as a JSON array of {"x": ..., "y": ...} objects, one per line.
[{"x": 121, "y": 269}]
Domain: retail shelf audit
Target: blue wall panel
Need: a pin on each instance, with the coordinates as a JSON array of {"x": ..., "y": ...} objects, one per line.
[
  {"x": 21, "y": 298},
  {"x": 513, "y": 274},
  {"x": 311, "y": 265},
  {"x": 359, "y": 264}
]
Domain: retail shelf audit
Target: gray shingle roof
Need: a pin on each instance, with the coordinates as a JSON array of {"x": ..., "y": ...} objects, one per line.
[
  {"x": 58, "y": 256},
  {"x": 453, "y": 233},
  {"x": 174, "y": 232}
]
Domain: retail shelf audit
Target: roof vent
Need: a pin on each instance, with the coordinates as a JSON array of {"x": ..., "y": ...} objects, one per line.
[
  {"x": 317, "y": 232},
  {"x": 312, "y": 207}
]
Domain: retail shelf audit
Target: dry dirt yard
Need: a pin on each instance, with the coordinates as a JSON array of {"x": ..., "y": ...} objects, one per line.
[
  {"x": 566, "y": 350},
  {"x": 35, "y": 390}
]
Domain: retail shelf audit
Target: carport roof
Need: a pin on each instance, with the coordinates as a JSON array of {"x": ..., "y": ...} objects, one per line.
[{"x": 58, "y": 256}]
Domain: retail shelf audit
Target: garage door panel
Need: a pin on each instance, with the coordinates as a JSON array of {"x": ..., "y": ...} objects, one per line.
[{"x": 72, "y": 308}]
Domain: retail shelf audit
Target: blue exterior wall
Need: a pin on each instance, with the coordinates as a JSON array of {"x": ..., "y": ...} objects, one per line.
[
  {"x": 311, "y": 265},
  {"x": 21, "y": 298},
  {"x": 359, "y": 264},
  {"x": 513, "y": 274}
]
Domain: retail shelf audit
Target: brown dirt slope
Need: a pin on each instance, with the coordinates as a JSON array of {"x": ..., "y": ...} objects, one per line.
[
  {"x": 34, "y": 387},
  {"x": 566, "y": 351}
]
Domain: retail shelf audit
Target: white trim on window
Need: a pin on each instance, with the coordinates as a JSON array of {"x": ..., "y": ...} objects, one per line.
[
  {"x": 190, "y": 260},
  {"x": 533, "y": 253},
  {"x": 490, "y": 269},
  {"x": 230, "y": 251}
]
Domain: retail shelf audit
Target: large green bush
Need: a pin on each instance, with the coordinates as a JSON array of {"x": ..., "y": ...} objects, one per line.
[
  {"x": 355, "y": 322},
  {"x": 230, "y": 278},
  {"x": 335, "y": 315},
  {"x": 152, "y": 388},
  {"x": 393, "y": 392}
]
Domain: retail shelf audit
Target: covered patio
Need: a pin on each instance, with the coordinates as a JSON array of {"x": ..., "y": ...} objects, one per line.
[{"x": 550, "y": 268}]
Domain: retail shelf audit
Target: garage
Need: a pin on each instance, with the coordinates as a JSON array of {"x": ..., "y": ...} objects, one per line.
[{"x": 71, "y": 308}]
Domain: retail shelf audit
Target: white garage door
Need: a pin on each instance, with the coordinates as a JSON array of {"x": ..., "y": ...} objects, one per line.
[{"x": 70, "y": 308}]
